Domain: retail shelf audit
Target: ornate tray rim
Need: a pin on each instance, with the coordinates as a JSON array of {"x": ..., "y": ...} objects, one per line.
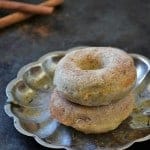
[{"x": 16, "y": 120}]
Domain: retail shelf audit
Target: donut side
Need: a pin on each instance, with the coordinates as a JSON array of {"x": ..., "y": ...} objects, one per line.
[{"x": 90, "y": 119}]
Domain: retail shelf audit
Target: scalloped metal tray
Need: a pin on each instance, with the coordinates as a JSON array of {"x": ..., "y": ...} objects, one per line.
[{"x": 28, "y": 104}]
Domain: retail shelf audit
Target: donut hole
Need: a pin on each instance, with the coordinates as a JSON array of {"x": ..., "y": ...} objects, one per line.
[{"x": 89, "y": 63}]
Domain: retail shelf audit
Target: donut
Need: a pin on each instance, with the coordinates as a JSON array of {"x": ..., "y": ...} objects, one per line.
[
  {"x": 95, "y": 76},
  {"x": 87, "y": 119}
]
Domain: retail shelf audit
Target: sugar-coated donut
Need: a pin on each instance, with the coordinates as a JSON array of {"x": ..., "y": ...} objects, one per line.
[
  {"x": 95, "y": 76},
  {"x": 90, "y": 119}
]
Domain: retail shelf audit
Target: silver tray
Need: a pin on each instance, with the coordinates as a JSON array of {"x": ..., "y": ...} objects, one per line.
[{"x": 28, "y": 104}]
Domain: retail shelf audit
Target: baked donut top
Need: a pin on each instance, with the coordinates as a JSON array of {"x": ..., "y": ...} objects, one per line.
[{"x": 105, "y": 70}]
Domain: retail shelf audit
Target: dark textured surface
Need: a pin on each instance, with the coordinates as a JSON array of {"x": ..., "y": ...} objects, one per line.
[{"x": 121, "y": 23}]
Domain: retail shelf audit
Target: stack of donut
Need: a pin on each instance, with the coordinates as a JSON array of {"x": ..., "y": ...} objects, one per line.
[{"x": 93, "y": 91}]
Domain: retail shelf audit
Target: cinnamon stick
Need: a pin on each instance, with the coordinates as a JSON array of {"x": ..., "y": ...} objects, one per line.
[
  {"x": 24, "y": 7},
  {"x": 21, "y": 16}
]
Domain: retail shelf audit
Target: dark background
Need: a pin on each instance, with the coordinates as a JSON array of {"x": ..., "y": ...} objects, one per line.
[{"x": 119, "y": 23}]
